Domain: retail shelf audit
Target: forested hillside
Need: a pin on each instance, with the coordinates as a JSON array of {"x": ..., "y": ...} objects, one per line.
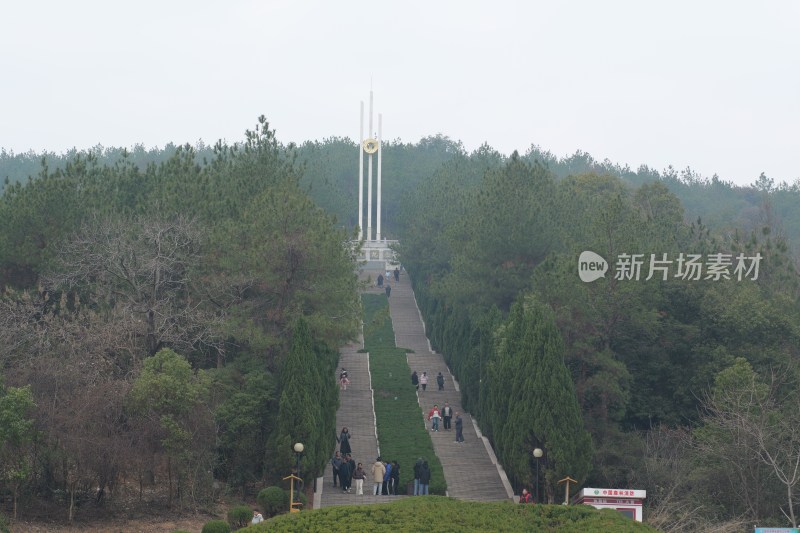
[
  {"x": 659, "y": 368},
  {"x": 169, "y": 328},
  {"x": 170, "y": 317},
  {"x": 686, "y": 383}
]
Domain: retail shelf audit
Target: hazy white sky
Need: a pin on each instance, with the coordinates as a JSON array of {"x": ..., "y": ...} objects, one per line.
[{"x": 714, "y": 85}]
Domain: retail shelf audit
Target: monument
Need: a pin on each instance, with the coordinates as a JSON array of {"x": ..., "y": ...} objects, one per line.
[{"x": 376, "y": 251}]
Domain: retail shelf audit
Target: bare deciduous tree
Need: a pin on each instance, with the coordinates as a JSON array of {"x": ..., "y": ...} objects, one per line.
[
  {"x": 138, "y": 274},
  {"x": 762, "y": 421}
]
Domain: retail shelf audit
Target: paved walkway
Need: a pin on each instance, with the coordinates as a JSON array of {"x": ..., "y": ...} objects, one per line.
[
  {"x": 356, "y": 411},
  {"x": 470, "y": 469}
]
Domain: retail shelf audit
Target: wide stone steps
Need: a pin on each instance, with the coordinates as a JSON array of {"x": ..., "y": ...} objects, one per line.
[
  {"x": 469, "y": 468},
  {"x": 356, "y": 412}
]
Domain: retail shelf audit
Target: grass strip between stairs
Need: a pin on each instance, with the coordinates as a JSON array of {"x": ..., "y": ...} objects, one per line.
[{"x": 402, "y": 432}]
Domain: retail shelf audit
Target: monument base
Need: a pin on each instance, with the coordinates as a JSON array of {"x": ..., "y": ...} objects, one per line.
[{"x": 378, "y": 255}]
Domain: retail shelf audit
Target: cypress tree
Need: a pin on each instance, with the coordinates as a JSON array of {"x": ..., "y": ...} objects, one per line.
[
  {"x": 534, "y": 402},
  {"x": 307, "y": 405},
  {"x": 297, "y": 408}
]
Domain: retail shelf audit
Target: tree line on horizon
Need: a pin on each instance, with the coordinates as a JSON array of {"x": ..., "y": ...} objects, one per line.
[{"x": 329, "y": 171}]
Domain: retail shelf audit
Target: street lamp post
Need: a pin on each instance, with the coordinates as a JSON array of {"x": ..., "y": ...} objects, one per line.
[
  {"x": 537, "y": 454},
  {"x": 298, "y": 453}
]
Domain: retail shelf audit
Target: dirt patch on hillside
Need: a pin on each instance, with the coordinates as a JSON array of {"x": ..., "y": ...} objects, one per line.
[
  {"x": 120, "y": 516},
  {"x": 139, "y": 525}
]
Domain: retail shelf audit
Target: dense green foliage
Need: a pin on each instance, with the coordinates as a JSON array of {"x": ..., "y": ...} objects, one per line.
[
  {"x": 401, "y": 428},
  {"x": 16, "y": 435},
  {"x": 641, "y": 352},
  {"x": 273, "y": 500},
  {"x": 307, "y": 405},
  {"x": 328, "y": 173},
  {"x": 164, "y": 394},
  {"x": 170, "y": 318},
  {"x": 225, "y": 257},
  {"x": 530, "y": 401},
  {"x": 239, "y": 516},
  {"x": 445, "y": 515}
]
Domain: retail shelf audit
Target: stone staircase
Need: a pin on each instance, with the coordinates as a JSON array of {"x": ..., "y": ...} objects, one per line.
[
  {"x": 356, "y": 411},
  {"x": 470, "y": 468}
]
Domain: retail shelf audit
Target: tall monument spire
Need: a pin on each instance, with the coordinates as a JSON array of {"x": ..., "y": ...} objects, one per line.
[
  {"x": 361, "y": 177},
  {"x": 371, "y": 146},
  {"x": 376, "y": 252}
]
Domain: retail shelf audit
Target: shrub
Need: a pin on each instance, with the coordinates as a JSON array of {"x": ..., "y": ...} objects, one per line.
[
  {"x": 5, "y": 526},
  {"x": 216, "y": 526},
  {"x": 239, "y": 516},
  {"x": 273, "y": 500}
]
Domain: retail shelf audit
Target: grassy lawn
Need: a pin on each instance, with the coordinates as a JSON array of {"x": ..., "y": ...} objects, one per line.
[
  {"x": 401, "y": 430},
  {"x": 445, "y": 515}
]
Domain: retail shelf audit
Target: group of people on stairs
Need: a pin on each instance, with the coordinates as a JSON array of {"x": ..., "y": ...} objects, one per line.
[
  {"x": 446, "y": 414},
  {"x": 385, "y": 475},
  {"x": 385, "y": 283}
]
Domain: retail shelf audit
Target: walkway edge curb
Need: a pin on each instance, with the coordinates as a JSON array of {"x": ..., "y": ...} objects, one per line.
[
  {"x": 318, "y": 493},
  {"x": 493, "y": 457}
]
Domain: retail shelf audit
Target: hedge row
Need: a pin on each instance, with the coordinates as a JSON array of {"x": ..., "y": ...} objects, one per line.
[{"x": 436, "y": 514}]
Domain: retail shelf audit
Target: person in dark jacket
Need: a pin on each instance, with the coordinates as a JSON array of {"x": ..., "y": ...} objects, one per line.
[
  {"x": 415, "y": 379},
  {"x": 395, "y": 481},
  {"x": 336, "y": 462},
  {"x": 447, "y": 414},
  {"x": 388, "y": 290},
  {"x": 344, "y": 441},
  {"x": 417, "y": 468},
  {"x": 424, "y": 478},
  {"x": 345, "y": 475},
  {"x": 440, "y": 381},
  {"x": 352, "y": 464},
  {"x": 459, "y": 429}
]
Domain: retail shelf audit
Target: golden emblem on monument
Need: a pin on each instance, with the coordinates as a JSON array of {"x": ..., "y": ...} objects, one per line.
[{"x": 370, "y": 146}]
